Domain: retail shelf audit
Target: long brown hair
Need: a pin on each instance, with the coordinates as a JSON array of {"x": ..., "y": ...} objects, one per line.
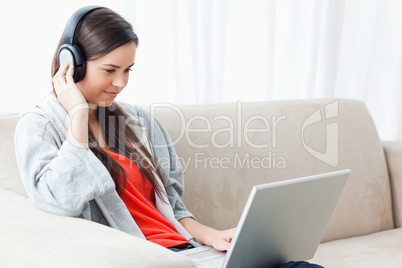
[{"x": 97, "y": 34}]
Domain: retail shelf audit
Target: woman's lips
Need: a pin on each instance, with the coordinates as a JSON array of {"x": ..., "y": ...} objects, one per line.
[{"x": 112, "y": 94}]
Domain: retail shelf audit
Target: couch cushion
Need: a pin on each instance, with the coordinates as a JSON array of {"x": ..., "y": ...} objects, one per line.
[
  {"x": 30, "y": 237},
  {"x": 9, "y": 175},
  {"x": 227, "y": 148},
  {"x": 381, "y": 249}
]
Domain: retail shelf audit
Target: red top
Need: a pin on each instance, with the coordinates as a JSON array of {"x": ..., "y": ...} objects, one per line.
[{"x": 139, "y": 198}]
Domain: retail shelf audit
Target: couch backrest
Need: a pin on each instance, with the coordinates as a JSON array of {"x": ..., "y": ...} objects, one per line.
[
  {"x": 225, "y": 149},
  {"x": 9, "y": 175},
  {"x": 393, "y": 154}
]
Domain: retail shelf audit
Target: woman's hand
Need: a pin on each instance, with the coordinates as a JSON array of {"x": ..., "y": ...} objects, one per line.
[
  {"x": 67, "y": 91},
  {"x": 220, "y": 240},
  {"x": 75, "y": 104}
]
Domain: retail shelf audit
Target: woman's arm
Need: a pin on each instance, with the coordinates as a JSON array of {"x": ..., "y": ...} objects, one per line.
[
  {"x": 75, "y": 104},
  {"x": 203, "y": 234},
  {"x": 59, "y": 176},
  {"x": 59, "y": 173}
]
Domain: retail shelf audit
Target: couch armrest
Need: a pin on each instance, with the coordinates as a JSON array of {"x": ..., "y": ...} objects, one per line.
[
  {"x": 393, "y": 154},
  {"x": 30, "y": 237}
]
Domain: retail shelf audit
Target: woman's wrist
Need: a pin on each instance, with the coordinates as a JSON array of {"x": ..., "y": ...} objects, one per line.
[
  {"x": 78, "y": 128},
  {"x": 202, "y": 234},
  {"x": 78, "y": 109}
]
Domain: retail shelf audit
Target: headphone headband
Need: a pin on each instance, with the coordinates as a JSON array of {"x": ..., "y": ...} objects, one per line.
[
  {"x": 70, "y": 53},
  {"x": 69, "y": 31}
]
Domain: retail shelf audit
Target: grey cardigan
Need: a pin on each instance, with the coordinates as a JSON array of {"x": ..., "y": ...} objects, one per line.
[{"x": 64, "y": 178}]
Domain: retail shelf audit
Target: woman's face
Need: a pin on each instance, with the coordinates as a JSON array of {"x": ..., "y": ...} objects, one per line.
[{"x": 106, "y": 77}]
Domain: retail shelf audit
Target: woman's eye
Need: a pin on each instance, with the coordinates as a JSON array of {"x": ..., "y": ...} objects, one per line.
[
  {"x": 128, "y": 70},
  {"x": 109, "y": 70}
]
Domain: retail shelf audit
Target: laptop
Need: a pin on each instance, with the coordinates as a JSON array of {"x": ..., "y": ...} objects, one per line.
[{"x": 281, "y": 222}]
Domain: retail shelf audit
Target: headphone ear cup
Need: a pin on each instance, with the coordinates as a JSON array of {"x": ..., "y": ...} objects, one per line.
[{"x": 72, "y": 55}]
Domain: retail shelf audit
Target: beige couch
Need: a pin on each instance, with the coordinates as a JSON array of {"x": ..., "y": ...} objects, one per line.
[{"x": 225, "y": 149}]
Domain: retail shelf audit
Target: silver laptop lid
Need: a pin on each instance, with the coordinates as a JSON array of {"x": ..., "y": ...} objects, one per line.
[{"x": 285, "y": 221}]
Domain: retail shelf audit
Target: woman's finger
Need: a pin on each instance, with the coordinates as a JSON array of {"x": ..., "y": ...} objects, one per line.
[
  {"x": 60, "y": 74},
  {"x": 56, "y": 80},
  {"x": 59, "y": 81},
  {"x": 69, "y": 75},
  {"x": 62, "y": 70}
]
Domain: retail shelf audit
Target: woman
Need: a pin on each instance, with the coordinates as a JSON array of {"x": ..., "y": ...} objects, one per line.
[{"x": 81, "y": 153}]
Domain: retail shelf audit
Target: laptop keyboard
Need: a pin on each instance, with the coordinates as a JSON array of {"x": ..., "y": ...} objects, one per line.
[{"x": 211, "y": 263}]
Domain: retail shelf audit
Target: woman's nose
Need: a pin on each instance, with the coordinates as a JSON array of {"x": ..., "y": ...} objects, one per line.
[{"x": 119, "y": 81}]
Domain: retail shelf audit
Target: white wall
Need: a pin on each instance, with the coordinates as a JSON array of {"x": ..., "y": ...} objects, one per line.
[
  {"x": 218, "y": 51},
  {"x": 30, "y": 32}
]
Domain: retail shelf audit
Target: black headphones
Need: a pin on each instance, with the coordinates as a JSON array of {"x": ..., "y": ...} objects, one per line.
[{"x": 70, "y": 53}]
